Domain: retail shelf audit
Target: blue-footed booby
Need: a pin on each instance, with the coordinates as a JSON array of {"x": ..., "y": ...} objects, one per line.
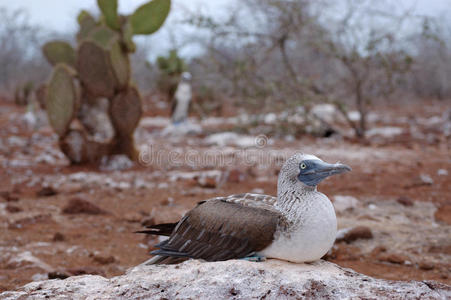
[
  {"x": 299, "y": 225},
  {"x": 182, "y": 99}
]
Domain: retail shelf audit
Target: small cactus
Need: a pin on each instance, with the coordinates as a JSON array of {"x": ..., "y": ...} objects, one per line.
[
  {"x": 61, "y": 98},
  {"x": 59, "y": 52},
  {"x": 23, "y": 92},
  {"x": 171, "y": 68},
  {"x": 101, "y": 64}
]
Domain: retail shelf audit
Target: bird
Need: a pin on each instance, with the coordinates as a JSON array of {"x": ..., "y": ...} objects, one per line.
[
  {"x": 182, "y": 99},
  {"x": 299, "y": 225}
]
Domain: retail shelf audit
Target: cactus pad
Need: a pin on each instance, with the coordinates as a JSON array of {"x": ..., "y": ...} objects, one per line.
[
  {"x": 149, "y": 17},
  {"x": 61, "y": 99},
  {"x": 125, "y": 112},
  {"x": 87, "y": 23},
  {"x": 120, "y": 63},
  {"x": 103, "y": 36},
  {"x": 59, "y": 52},
  {"x": 127, "y": 36},
  {"x": 109, "y": 11},
  {"x": 95, "y": 70}
]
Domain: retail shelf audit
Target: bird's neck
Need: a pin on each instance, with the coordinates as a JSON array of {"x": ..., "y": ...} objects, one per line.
[{"x": 292, "y": 194}]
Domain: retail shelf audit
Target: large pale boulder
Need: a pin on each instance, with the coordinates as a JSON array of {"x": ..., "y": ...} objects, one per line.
[{"x": 234, "y": 279}]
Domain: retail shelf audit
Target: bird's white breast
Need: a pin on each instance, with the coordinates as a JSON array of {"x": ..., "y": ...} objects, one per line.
[{"x": 312, "y": 236}]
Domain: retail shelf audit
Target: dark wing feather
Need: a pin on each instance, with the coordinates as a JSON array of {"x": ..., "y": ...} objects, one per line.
[
  {"x": 159, "y": 229},
  {"x": 220, "y": 230}
]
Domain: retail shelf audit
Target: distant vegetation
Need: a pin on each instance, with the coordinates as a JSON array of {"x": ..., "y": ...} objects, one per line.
[{"x": 274, "y": 55}]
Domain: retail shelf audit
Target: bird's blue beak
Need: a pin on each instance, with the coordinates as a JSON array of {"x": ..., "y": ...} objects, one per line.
[{"x": 317, "y": 170}]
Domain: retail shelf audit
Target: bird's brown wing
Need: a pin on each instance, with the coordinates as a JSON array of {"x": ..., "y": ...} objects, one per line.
[
  {"x": 246, "y": 199},
  {"x": 219, "y": 230}
]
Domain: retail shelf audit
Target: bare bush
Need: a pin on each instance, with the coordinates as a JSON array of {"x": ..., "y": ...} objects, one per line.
[
  {"x": 281, "y": 54},
  {"x": 20, "y": 55}
]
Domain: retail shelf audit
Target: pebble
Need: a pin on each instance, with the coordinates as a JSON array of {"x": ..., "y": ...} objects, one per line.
[
  {"x": 405, "y": 201},
  {"x": 81, "y": 206},
  {"x": 58, "y": 237},
  {"x": 9, "y": 197},
  {"x": 425, "y": 265},
  {"x": 133, "y": 217},
  {"x": 13, "y": 209},
  {"x": 46, "y": 191},
  {"x": 104, "y": 260},
  {"x": 394, "y": 258},
  {"x": 349, "y": 235},
  {"x": 57, "y": 275}
]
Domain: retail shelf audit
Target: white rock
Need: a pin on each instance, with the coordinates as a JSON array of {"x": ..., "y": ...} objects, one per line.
[
  {"x": 234, "y": 279},
  {"x": 442, "y": 172},
  {"x": 154, "y": 122},
  {"x": 181, "y": 129},
  {"x": 16, "y": 141},
  {"x": 326, "y": 112},
  {"x": 26, "y": 258},
  {"x": 115, "y": 163},
  {"x": 341, "y": 203},
  {"x": 221, "y": 139},
  {"x": 342, "y": 232},
  {"x": 29, "y": 119},
  {"x": 231, "y": 138},
  {"x": 384, "y": 131},
  {"x": 372, "y": 206},
  {"x": 270, "y": 118},
  {"x": 426, "y": 179},
  {"x": 354, "y": 115}
]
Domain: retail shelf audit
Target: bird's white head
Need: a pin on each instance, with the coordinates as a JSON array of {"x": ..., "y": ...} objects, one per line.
[{"x": 307, "y": 170}]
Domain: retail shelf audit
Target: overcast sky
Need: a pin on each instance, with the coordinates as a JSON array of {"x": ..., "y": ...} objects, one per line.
[{"x": 59, "y": 15}]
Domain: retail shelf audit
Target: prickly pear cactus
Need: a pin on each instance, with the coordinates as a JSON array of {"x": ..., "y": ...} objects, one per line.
[
  {"x": 120, "y": 64},
  {"x": 86, "y": 23},
  {"x": 125, "y": 111},
  {"x": 171, "y": 68},
  {"x": 101, "y": 66},
  {"x": 109, "y": 12},
  {"x": 61, "y": 99},
  {"x": 95, "y": 69},
  {"x": 149, "y": 17},
  {"x": 59, "y": 52}
]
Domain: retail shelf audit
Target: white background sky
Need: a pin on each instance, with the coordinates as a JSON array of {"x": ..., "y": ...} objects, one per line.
[{"x": 59, "y": 15}]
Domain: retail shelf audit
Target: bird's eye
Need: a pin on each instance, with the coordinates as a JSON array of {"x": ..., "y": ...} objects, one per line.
[{"x": 303, "y": 166}]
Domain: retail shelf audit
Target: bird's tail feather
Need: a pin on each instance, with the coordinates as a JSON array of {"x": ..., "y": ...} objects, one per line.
[{"x": 159, "y": 229}]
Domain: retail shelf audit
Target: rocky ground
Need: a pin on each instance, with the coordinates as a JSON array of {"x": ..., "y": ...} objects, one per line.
[
  {"x": 233, "y": 279},
  {"x": 56, "y": 220}
]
